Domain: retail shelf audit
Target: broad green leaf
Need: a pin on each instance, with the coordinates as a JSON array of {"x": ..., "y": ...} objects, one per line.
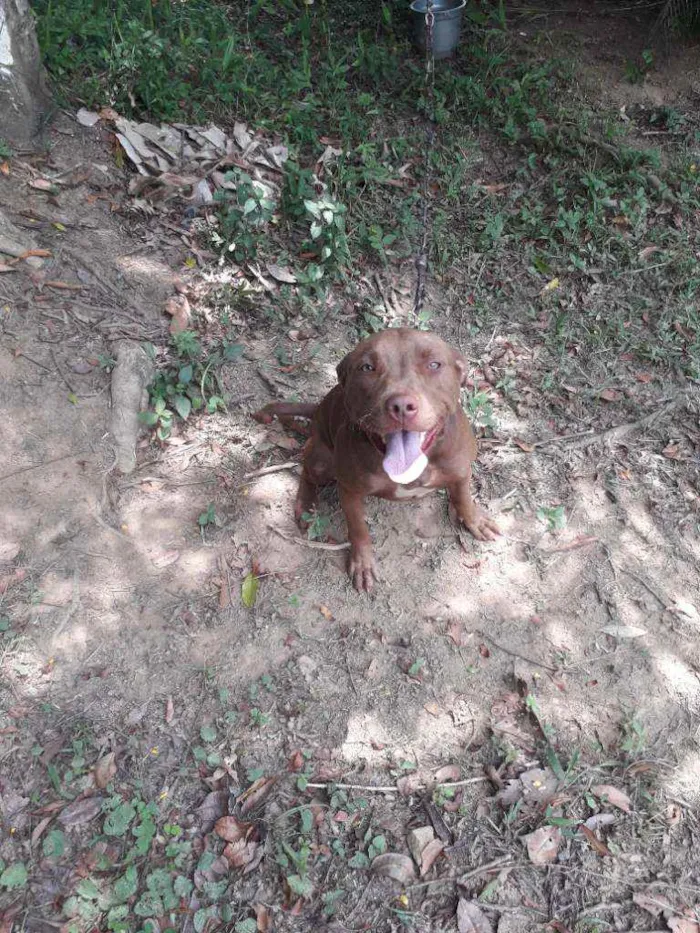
[
  {"x": 302, "y": 887},
  {"x": 14, "y": 876},
  {"x": 148, "y": 417},
  {"x": 183, "y": 406},
  {"x": 126, "y": 885},
  {"x": 185, "y": 375},
  {"x": 149, "y": 905},
  {"x": 182, "y": 886},
  {"x": 55, "y": 844},
  {"x": 208, "y": 733},
  {"x": 118, "y": 821}
]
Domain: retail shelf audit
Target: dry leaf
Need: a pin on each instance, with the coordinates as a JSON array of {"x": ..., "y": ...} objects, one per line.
[
  {"x": 673, "y": 814},
  {"x": 63, "y": 286},
  {"x": 43, "y": 184},
  {"x": 682, "y": 607},
  {"x": 543, "y": 845},
  {"x": 326, "y": 613},
  {"x": 448, "y": 773},
  {"x": 11, "y": 579},
  {"x": 230, "y": 829},
  {"x": 595, "y": 842},
  {"x": 418, "y": 839},
  {"x": 599, "y": 819},
  {"x": 613, "y": 796},
  {"x": 523, "y": 445},
  {"x": 5, "y": 167},
  {"x": 653, "y": 903},
  {"x": 683, "y": 925},
  {"x": 433, "y": 708},
  {"x": 539, "y": 785},
  {"x": 459, "y": 635},
  {"x": 105, "y": 769},
  {"x": 242, "y": 854},
  {"x": 7, "y": 267},
  {"x": 87, "y": 117},
  {"x": 471, "y": 918},
  {"x": 262, "y": 917},
  {"x": 394, "y": 865},
  {"x": 178, "y": 307},
  {"x": 624, "y": 631},
  {"x": 409, "y": 784},
  {"x": 169, "y": 710},
  {"x": 296, "y": 760},
  {"x": 647, "y": 252},
  {"x": 574, "y": 544},
  {"x": 38, "y": 830},
  {"x": 429, "y": 855},
  {"x": 610, "y": 395},
  {"x": 256, "y": 793},
  {"x": 165, "y": 560},
  {"x": 81, "y": 811},
  {"x": 281, "y": 273},
  {"x": 672, "y": 452},
  {"x": 211, "y": 808}
]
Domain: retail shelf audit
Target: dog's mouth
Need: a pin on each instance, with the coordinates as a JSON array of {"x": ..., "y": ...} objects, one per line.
[{"x": 405, "y": 453}]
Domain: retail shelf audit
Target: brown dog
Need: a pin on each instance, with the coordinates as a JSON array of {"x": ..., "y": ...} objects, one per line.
[{"x": 394, "y": 428}]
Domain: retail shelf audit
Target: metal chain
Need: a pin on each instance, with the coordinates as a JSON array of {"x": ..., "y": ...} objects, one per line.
[{"x": 422, "y": 255}]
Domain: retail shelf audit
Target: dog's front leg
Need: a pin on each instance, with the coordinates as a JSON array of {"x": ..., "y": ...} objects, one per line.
[
  {"x": 475, "y": 519},
  {"x": 361, "y": 566}
]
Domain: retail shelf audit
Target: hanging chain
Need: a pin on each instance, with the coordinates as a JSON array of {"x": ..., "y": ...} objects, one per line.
[{"x": 422, "y": 256}]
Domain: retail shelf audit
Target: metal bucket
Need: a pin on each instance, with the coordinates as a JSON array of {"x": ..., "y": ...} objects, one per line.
[{"x": 448, "y": 25}]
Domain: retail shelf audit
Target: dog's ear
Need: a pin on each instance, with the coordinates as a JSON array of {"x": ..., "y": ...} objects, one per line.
[
  {"x": 343, "y": 369},
  {"x": 461, "y": 367}
]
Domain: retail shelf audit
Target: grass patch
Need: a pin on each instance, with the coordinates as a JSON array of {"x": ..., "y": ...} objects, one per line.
[{"x": 598, "y": 235}]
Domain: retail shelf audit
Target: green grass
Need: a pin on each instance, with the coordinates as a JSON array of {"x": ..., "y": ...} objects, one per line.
[{"x": 577, "y": 201}]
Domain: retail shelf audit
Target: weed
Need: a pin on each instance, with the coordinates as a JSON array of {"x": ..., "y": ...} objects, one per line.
[
  {"x": 553, "y": 516},
  {"x": 479, "y": 407},
  {"x": 208, "y": 517},
  {"x": 318, "y": 525},
  {"x": 246, "y": 206}
]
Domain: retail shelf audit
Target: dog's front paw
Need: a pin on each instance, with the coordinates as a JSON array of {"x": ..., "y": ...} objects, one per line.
[
  {"x": 481, "y": 526},
  {"x": 362, "y": 568}
]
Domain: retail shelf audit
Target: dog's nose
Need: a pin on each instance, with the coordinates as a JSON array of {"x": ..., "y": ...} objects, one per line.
[{"x": 402, "y": 408}]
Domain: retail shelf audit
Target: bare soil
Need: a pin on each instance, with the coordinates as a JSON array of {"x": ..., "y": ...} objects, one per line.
[{"x": 121, "y": 604}]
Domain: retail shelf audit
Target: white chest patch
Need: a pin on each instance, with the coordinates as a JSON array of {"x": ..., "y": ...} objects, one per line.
[{"x": 416, "y": 492}]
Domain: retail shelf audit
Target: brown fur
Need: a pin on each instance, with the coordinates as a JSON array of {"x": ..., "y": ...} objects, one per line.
[{"x": 388, "y": 382}]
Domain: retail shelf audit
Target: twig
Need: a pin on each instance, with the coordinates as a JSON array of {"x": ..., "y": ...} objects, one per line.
[
  {"x": 61, "y": 373},
  {"x": 317, "y": 545},
  {"x": 504, "y": 862},
  {"x": 515, "y": 654},
  {"x": 38, "y": 466},
  {"x": 631, "y": 573},
  {"x": 276, "y": 468},
  {"x": 393, "y": 789},
  {"x": 590, "y": 437}
]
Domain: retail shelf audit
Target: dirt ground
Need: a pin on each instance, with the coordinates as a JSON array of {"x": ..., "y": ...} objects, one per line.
[{"x": 128, "y": 619}]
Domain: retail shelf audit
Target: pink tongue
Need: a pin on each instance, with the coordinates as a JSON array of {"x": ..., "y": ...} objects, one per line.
[{"x": 403, "y": 448}]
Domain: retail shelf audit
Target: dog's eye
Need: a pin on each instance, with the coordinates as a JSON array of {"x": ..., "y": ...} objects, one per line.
[
  {"x": 366, "y": 368},
  {"x": 434, "y": 365}
]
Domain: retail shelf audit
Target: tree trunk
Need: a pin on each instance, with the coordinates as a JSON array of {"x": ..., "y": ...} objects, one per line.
[{"x": 24, "y": 96}]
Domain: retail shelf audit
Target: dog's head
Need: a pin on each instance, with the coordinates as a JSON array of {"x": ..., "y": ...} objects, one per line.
[{"x": 402, "y": 381}]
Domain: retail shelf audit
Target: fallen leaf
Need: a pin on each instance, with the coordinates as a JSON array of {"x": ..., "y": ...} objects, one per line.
[
  {"x": 40, "y": 253},
  {"x": 672, "y": 452},
  {"x": 81, "y": 367},
  {"x": 5, "y": 167},
  {"x": 417, "y": 839},
  {"x": 617, "y": 798},
  {"x": 231, "y": 829},
  {"x": 429, "y": 855},
  {"x": 573, "y": 545},
  {"x": 539, "y": 785},
  {"x": 178, "y": 307},
  {"x": 165, "y": 560},
  {"x": 471, "y": 918},
  {"x": 409, "y": 784},
  {"x": 433, "y": 708},
  {"x": 653, "y": 903},
  {"x": 7, "y": 917},
  {"x": 610, "y": 395},
  {"x": 105, "y": 769},
  {"x": 459, "y": 635},
  {"x": 394, "y": 865},
  {"x": 257, "y": 792},
  {"x": 43, "y": 184},
  {"x": 262, "y": 918},
  {"x": 281, "y": 273},
  {"x": 508, "y": 729},
  {"x": 447, "y": 774},
  {"x": 296, "y": 761},
  {"x": 38, "y": 830},
  {"x": 241, "y": 854},
  {"x": 683, "y": 925},
  {"x": 64, "y": 286},
  {"x": 81, "y": 811},
  {"x": 643, "y": 377},
  {"x": 595, "y": 842},
  {"x": 523, "y": 445},
  {"x": 624, "y": 631},
  {"x": 87, "y": 117},
  {"x": 211, "y": 808},
  {"x": 249, "y": 590},
  {"x": 680, "y": 607},
  {"x": 543, "y": 845},
  {"x": 673, "y": 814},
  {"x": 647, "y": 252},
  {"x": 326, "y": 613},
  {"x": 600, "y": 819},
  {"x": 7, "y": 267},
  {"x": 169, "y": 710}
]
